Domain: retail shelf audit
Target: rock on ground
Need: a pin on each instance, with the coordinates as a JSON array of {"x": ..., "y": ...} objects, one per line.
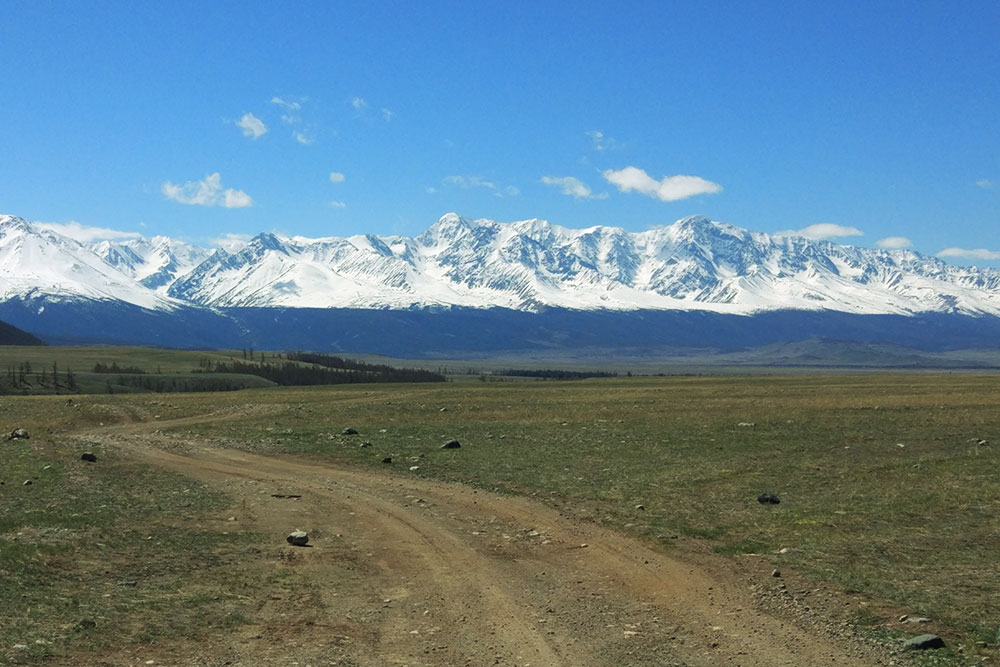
[
  {"x": 923, "y": 642},
  {"x": 298, "y": 538}
]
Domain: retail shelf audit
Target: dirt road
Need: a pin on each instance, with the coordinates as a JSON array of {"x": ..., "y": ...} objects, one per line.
[{"x": 405, "y": 571}]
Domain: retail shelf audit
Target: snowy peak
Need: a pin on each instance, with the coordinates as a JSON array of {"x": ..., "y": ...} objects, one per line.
[
  {"x": 693, "y": 264},
  {"x": 40, "y": 263}
]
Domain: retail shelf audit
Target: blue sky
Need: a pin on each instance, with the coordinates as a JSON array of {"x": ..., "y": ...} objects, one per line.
[{"x": 874, "y": 121}]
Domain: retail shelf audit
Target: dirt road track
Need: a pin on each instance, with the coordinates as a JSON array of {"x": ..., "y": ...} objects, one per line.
[{"x": 407, "y": 571}]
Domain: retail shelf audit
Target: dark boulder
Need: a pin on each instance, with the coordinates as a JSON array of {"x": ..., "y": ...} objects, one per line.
[
  {"x": 768, "y": 499},
  {"x": 923, "y": 642}
]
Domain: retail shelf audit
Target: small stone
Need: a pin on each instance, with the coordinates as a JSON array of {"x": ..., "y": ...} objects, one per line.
[
  {"x": 18, "y": 433},
  {"x": 365, "y": 444},
  {"x": 298, "y": 538},
  {"x": 640, "y": 507},
  {"x": 412, "y": 468},
  {"x": 349, "y": 431},
  {"x": 387, "y": 459},
  {"x": 776, "y": 573},
  {"x": 88, "y": 456},
  {"x": 923, "y": 642},
  {"x": 768, "y": 499},
  {"x": 27, "y": 482},
  {"x": 20, "y": 647},
  {"x": 917, "y": 619},
  {"x": 451, "y": 444}
]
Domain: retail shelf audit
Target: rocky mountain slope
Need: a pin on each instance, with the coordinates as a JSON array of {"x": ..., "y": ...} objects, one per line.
[{"x": 693, "y": 264}]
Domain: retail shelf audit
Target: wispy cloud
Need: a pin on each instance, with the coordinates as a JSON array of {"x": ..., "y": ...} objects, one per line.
[
  {"x": 669, "y": 188},
  {"x": 336, "y": 177},
  {"x": 84, "y": 233},
  {"x": 337, "y": 204},
  {"x": 286, "y": 104},
  {"x": 472, "y": 182},
  {"x": 208, "y": 192},
  {"x": 962, "y": 253},
  {"x": 231, "y": 242},
  {"x": 431, "y": 190},
  {"x": 894, "y": 243},
  {"x": 387, "y": 115},
  {"x": 359, "y": 103},
  {"x": 821, "y": 231},
  {"x": 573, "y": 187},
  {"x": 252, "y": 126},
  {"x": 600, "y": 141},
  {"x": 291, "y": 107},
  {"x": 304, "y": 138},
  {"x": 985, "y": 183}
]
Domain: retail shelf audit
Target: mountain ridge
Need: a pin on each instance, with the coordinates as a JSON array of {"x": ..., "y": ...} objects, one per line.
[{"x": 527, "y": 265}]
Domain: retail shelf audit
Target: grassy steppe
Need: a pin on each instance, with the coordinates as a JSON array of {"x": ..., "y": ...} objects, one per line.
[{"x": 885, "y": 487}]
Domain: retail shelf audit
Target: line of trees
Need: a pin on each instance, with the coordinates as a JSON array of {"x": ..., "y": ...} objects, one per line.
[
  {"x": 113, "y": 367},
  {"x": 310, "y": 369},
  {"x": 169, "y": 385},
  {"x": 554, "y": 374},
  {"x": 23, "y": 376},
  {"x": 386, "y": 373}
]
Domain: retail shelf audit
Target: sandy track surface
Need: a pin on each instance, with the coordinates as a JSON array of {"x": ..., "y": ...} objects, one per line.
[{"x": 406, "y": 571}]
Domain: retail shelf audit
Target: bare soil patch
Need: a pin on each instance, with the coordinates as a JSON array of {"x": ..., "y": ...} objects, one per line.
[{"x": 407, "y": 571}]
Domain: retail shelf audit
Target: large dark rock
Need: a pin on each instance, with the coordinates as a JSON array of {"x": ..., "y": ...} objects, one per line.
[
  {"x": 923, "y": 642},
  {"x": 88, "y": 456},
  {"x": 768, "y": 499},
  {"x": 452, "y": 444},
  {"x": 18, "y": 433}
]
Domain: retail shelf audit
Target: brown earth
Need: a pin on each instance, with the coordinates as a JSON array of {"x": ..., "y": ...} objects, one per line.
[{"x": 402, "y": 570}]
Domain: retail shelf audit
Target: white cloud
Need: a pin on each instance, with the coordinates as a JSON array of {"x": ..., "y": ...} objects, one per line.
[
  {"x": 962, "y": 253},
  {"x": 290, "y": 117},
  {"x": 337, "y": 204},
  {"x": 208, "y": 192},
  {"x": 822, "y": 230},
  {"x": 600, "y": 142},
  {"x": 359, "y": 103},
  {"x": 85, "y": 234},
  {"x": 252, "y": 126},
  {"x": 670, "y": 188},
  {"x": 303, "y": 138},
  {"x": 387, "y": 115},
  {"x": 336, "y": 177},
  {"x": 430, "y": 190},
  {"x": 572, "y": 187},
  {"x": 985, "y": 183},
  {"x": 468, "y": 182},
  {"x": 894, "y": 243},
  {"x": 231, "y": 242},
  {"x": 288, "y": 106}
]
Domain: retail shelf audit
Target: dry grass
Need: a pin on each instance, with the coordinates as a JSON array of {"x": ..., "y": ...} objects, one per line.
[{"x": 885, "y": 487}]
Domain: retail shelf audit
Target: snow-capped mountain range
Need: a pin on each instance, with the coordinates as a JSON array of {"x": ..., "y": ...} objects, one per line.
[{"x": 693, "y": 264}]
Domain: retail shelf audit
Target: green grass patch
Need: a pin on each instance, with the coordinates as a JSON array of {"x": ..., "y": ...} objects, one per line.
[
  {"x": 883, "y": 482},
  {"x": 98, "y": 556}
]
